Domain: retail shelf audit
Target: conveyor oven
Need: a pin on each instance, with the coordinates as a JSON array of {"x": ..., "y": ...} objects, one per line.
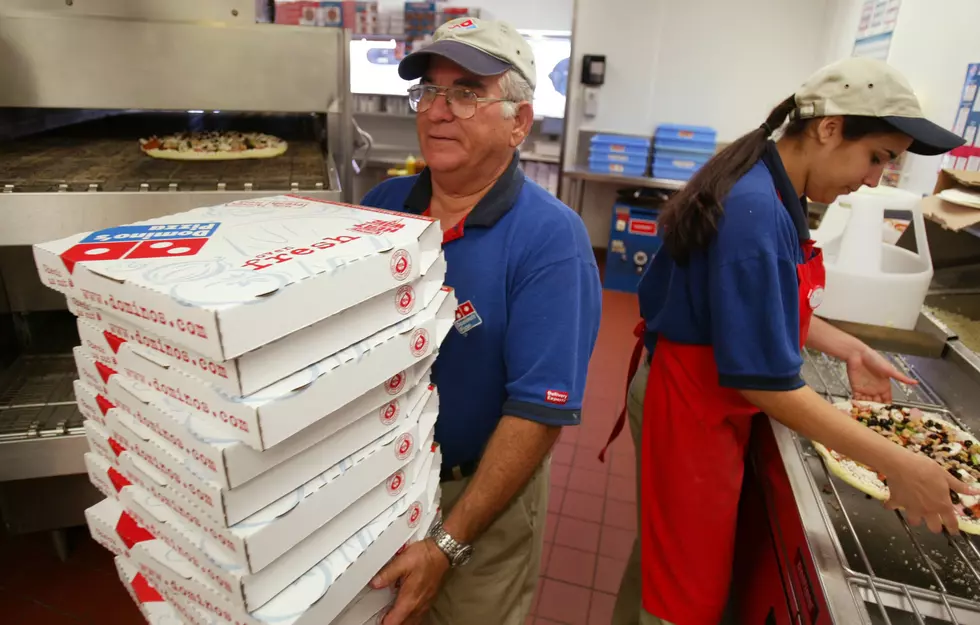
[{"x": 82, "y": 83}]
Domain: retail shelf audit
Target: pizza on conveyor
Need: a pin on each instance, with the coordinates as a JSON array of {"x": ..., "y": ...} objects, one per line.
[
  {"x": 213, "y": 146},
  {"x": 924, "y": 433}
]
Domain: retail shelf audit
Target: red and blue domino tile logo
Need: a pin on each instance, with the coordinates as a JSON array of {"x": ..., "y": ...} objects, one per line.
[{"x": 140, "y": 242}]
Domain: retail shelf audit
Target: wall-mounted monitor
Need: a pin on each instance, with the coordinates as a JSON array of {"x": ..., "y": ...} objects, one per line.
[{"x": 374, "y": 69}]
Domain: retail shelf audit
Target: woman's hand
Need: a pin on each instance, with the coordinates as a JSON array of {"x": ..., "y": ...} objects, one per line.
[
  {"x": 870, "y": 375},
  {"x": 920, "y": 488}
]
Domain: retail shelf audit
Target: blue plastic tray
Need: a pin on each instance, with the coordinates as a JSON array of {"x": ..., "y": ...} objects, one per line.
[
  {"x": 619, "y": 143},
  {"x": 617, "y": 168},
  {"x": 622, "y": 158},
  {"x": 677, "y": 136},
  {"x": 669, "y": 172},
  {"x": 680, "y": 160}
]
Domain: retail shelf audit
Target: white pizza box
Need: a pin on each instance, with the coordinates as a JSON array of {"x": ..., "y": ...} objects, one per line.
[
  {"x": 224, "y": 280},
  {"x": 100, "y": 441},
  {"x": 324, "y": 591},
  {"x": 369, "y": 608},
  {"x": 249, "y": 591},
  {"x": 263, "y": 537},
  {"x": 155, "y": 609},
  {"x": 230, "y": 462},
  {"x": 279, "y": 411},
  {"x": 91, "y": 404},
  {"x": 103, "y": 521},
  {"x": 230, "y": 506},
  {"x": 270, "y": 363}
]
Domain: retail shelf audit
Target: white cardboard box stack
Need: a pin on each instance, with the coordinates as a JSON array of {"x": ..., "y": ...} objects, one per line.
[{"x": 255, "y": 379}]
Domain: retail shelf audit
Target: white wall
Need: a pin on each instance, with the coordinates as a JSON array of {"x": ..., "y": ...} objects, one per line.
[
  {"x": 706, "y": 62},
  {"x": 932, "y": 45},
  {"x": 530, "y": 14}
]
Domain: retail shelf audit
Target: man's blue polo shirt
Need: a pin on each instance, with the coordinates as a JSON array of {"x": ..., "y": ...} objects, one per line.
[
  {"x": 529, "y": 306},
  {"x": 741, "y": 294}
]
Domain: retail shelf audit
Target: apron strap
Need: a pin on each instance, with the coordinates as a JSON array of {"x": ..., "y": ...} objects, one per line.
[{"x": 638, "y": 332}]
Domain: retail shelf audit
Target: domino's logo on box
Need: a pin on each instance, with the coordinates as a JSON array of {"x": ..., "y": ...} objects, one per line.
[{"x": 141, "y": 242}]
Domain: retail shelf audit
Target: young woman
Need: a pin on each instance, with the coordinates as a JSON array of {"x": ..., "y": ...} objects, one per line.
[{"x": 727, "y": 306}]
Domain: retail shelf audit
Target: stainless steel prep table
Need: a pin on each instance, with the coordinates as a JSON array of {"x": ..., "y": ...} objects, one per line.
[{"x": 841, "y": 556}]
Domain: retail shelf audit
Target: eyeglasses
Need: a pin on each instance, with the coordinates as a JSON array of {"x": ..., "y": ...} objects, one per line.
[{"x": 462, "y": 102}]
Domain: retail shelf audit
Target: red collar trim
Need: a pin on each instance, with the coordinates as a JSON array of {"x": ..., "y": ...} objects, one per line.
[{"x": 456, "y": 232}]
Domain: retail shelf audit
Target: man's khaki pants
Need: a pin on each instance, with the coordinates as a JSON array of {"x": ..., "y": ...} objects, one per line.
[
  {"x": 629, "y": 604},
  {"x": 497, "y": 586}
]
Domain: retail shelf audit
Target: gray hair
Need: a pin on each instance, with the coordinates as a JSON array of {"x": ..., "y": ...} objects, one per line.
[{"x": 516, "y": 88}]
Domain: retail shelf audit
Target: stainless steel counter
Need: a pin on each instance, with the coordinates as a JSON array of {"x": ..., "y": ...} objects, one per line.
[{"x": 872, "y": 566}]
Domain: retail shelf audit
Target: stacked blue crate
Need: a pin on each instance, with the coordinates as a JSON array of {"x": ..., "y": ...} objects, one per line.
[
  {"x": 679, "y": 151},
  {"x": 622, "y": 155}
]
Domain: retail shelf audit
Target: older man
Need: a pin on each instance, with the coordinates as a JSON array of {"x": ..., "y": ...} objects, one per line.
[{"x": 512, "y": 373}]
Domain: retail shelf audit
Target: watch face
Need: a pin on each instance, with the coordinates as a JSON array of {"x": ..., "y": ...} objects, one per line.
[{"x": 463, "y": 556}]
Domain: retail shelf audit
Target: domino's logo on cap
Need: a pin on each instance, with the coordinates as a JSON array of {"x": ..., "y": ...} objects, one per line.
[{"x": 467, "y": 24}]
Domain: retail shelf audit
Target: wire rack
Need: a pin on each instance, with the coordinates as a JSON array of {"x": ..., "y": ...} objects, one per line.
[
  {"x": 37, "y": 399},
  {"x": 900, "y": 573}
]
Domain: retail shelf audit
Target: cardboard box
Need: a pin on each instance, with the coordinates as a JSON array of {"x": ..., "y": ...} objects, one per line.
[
  {"x": 953, "y": 216},
  {"x": 369, "y": 608},
  {"x": 231, "y": 463},
  {"x": 224, "y": 280},
  {"x": 268, "y": 534},
  {"x": 230, "y": 506},
  {"x": 155, "y": 609},
  {"x": 249, "y": 591},
  {"x": 272, "y": 415},
  {"x": 324, "y": 592},
  {"x": 270, "y": 363},
  {"x": 100, "y": 443},
  {"x": 106, "y": 525}
]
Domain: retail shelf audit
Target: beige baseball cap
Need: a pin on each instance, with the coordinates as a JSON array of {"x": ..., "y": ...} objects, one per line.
[
  {"x": 483, "y": 47},
  {"x": 872, "y": 88}
]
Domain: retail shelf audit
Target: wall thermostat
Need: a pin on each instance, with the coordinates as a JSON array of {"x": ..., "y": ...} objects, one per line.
[{"x": 593, "y": 69}]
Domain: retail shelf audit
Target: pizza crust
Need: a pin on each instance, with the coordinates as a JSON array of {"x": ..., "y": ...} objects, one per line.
[
  {"x": 193, "y": 155},
  {"x": 867, "y": 481}
]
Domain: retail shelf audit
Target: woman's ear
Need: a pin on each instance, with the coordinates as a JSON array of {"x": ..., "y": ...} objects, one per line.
[{"x": 829, "y": 130}]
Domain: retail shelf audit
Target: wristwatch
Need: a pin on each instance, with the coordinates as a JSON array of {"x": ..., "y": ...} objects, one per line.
[{"x": 458, "y": 553}]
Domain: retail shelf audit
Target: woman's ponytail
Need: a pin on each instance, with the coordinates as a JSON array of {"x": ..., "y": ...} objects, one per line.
[{"x": 690, "y": 218}]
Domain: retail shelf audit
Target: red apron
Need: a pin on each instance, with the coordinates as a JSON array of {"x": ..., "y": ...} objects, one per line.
[{"x": 695, "y": 434}]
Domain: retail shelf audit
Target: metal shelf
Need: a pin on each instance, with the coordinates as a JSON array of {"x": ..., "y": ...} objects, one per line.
[
  {"x": 41, "y": 429},
  {"x": 582, "y": 173}
]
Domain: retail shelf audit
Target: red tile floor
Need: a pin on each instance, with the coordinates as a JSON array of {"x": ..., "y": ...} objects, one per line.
[{"x": 590, "y": 531}]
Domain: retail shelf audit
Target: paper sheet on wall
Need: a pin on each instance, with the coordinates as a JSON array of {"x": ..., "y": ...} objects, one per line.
[
  {"x": 875, "y": 28},
  {"x": 874, "y": 40}
]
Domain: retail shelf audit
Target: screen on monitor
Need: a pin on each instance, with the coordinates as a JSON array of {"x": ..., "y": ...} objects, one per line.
[{"x": 374, "y": 69}]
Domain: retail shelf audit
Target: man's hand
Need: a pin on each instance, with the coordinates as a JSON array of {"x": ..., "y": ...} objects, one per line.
[
  {"x": 417, "y": 573},
  {"x": 870, "y": 375}
]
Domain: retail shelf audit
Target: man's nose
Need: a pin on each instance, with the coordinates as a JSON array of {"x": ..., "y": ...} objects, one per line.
[{"x": 440, "y": 110}]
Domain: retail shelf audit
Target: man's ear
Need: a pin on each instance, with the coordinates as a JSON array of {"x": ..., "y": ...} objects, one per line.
[{"x": 522, "y": 124}]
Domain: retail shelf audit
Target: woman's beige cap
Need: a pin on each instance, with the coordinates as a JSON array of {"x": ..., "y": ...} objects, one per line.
[{"x": 872, "y": 88}]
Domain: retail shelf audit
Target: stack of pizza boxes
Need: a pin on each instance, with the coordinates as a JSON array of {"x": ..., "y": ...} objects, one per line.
[{"x": 256, "y": 382}]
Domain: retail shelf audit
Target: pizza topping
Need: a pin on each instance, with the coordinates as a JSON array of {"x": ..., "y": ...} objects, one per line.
[{"x": 212, "y": 142}]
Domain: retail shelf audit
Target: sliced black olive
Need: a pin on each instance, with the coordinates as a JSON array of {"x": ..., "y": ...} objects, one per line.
[
  {"x": 968, "y": 443},
  {"x": 953, "y": 472},
  {"x": 954, "y": 496},
  {"x": 968, "y": 513}
]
